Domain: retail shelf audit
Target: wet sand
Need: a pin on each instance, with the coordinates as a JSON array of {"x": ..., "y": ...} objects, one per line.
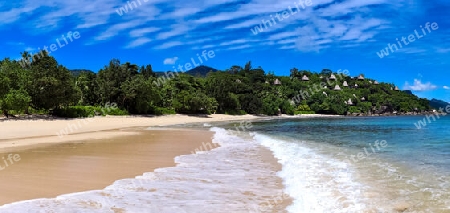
[
  {"x": 101, "y": 151},
  {"x": 54, "y": 169}
]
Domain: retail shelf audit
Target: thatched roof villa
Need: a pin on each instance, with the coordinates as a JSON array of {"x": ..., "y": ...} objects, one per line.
[
  {"x": 277, "y": 82},
  {"x": 332, "y": 77},
  {"x": 360, "y": 77},
  {"x": 337, "y": 88}
]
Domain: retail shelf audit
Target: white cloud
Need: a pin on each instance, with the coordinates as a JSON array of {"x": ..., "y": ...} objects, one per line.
[
  {"x": 419, "y": 86},
  {"x": 168, "y": 45},
  {"x": 245, "y": 46},
  {"x": 170, "y": 61},
  {"x": 446, "y": 87},
  {"x": 142, "y": 31},
  {"x": 240, "y": 41},
  {"x": 138, "y": 42},
  {"x": 177, "y": 29},
  {"x": 116, "y": 29}
]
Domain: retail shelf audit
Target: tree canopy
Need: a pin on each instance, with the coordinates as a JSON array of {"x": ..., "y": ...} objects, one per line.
[{"x": 43, "y": 84}]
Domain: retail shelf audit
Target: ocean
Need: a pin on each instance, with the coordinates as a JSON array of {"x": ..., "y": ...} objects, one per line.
[
  {"x": 335, "y": 164},
  {"x": 363, "y": 164}
]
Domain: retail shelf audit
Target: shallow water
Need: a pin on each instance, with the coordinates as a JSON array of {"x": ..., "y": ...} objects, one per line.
[{"x": 341, "y": 164}]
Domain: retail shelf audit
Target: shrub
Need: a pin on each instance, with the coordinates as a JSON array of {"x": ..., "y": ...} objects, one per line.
[
  {"x": 287, "y": 108},
  {"x": 164, "y": 111},
  {"x": 354, "y": 109},
  {"x": 235, "y": 112},
  {"x": 87, "y": 111},
  {"x": 114, "y": 111},
  {"x": 304, "y": 112}
]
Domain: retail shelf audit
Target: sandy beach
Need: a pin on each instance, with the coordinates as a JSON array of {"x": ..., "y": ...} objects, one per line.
[
  {"x": 97, "y": 152},
  {"x": 51, "y": 170},
  {"x": 19, "y": 133}
]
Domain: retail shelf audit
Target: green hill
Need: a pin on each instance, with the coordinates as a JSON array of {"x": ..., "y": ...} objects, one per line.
[
  {"x": 77, "y": 72},
  {"x": 437, "y": 104},
  {"x": 200, "y": 71}
]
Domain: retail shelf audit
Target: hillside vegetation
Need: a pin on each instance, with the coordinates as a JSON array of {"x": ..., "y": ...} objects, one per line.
[{"x": 46, "y": 86}]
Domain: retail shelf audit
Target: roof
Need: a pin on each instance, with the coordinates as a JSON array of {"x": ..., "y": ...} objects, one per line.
[
  {"x": 349, "y": 102},
  {"x": 361, "y": 77},
  {"x": 337, "y": 87},
  {"x": 277, "y": 82},
  {"x": 332, "y": 77},
  {"x": 305, "y": 78}
]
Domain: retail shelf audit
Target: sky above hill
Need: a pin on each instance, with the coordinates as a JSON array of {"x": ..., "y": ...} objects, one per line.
[{"x": 357, "y": 35}]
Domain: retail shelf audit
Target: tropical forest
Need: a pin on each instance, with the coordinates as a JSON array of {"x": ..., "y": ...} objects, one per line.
[{"x": 47, "y": 87}]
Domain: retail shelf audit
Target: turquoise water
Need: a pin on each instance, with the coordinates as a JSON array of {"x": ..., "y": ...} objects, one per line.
[
  {"x": 411, "y": 170},
  {"x": 428, "y": 146}
]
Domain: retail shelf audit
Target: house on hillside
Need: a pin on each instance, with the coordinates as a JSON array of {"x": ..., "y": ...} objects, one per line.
[
  {"x": 277, "y": 82},
  {"x": 349, "y": 102},
  {"x": 345, "y": 84},
  {"x": 305, "y": 78},
  {"x": 361, "y": 77},
  {"x": 337, "y": 88},
  {"x": 332, "y": 77}
]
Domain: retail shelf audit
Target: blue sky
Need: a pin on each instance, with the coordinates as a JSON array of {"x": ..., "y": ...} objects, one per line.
[{"x": 343, "y": 34}]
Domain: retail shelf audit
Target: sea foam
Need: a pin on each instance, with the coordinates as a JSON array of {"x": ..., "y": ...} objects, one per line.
[
  {"x": 316, "y": 182},
  {"x": 230, "y": 178}
]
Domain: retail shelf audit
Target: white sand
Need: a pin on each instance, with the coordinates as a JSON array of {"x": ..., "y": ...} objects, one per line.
[{"x": 18, "y": 133}]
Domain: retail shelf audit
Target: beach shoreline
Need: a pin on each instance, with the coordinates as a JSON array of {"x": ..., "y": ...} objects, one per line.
[
  {"x": 22, "y": 133},
  {"x": 50, "y": 165},
  {"x": 50, "y": 170}
]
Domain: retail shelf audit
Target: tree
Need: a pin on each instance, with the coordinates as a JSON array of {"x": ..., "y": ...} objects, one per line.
[
  {"x": 326, "y": 72},
  {"x": 140, "y": 95},
  {"x": 294, "y": 73},
  {"x": 147, "y": 71},
  {"x": 88, "y": 86},
  {"x": 248, "y": 66},
  {"x": 111, "y": 78},
  {"x": 52, "y": 84},
  {"x": 15, "y": 100}
]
